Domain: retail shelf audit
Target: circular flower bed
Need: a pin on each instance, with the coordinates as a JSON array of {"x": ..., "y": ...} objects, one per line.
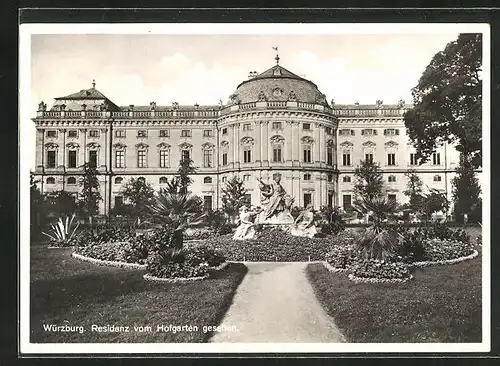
[
  {"x": 341, "y": 258},
  {"x": 128, "y": 252},
  {"x": 378, "y": 271},
  {"x": 436, "y": 250}
]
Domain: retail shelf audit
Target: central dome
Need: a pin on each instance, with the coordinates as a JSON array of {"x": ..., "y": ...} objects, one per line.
[{"x": 278, "y": 84}]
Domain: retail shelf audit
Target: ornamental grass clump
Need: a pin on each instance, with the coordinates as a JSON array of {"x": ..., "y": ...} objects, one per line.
[{"x": 62, "y": 233}]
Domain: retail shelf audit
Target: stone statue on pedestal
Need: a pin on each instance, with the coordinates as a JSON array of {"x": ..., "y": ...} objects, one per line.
[
  {"x": 246, "y": 229},
  {"x": 276, "y": 203},
  {"x": 303, "y": 225}
]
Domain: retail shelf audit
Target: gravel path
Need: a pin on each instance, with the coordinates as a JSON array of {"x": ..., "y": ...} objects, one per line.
[{"x": 276, "y": 303}]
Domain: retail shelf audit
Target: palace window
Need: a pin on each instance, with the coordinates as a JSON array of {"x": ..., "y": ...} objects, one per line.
[
  {"x": 436, "y": 159},
  {"x": 207, "y": 203},
  {"x": 306, "y": 126},
  {"x": 119, "y": 159},
  {"x": 277, "y": 154},
  {"x": 277, "y": 126},
  {"x": 224, "y": 158},
  {"x": 330, "y": 177},
  {"x": 141, "y": 159},
  {"x": 94, "y": 133},
  {"x": 118, "y": 180},
  {"x": 224, "y": 179},
  {"x": 207, "y": 133},
  {"x": 207, "y": 180},
  {"x": 142, "y": 133},
  {"x": 246, "y": 177},
  {"x": 164, "y": 163},
  {"x": 369, "y": 132},
  {"x": 247, "y": 199},
  {"x": 413, "y": 159},
  {"x": 71, "y": 180},
  {"x": 307, "y": 199},
  {"x": 208, "y": 157},
  {"x": 391, "y": 178},
  {"x": 346, "y": 132},
  {"x": 307, "y": 176},
  {"x": 120, "y": 133},
  {"x": 346, "y": 158},
  {"x": 247, "y": 155},
  {"x": 164, "y": 133},
  {"x": 163, "y": 180},
  {"x": 347, "y": 202},
  {"x": 369, "y": 157},
  {"x": 307, "y": 154},
  {"x": 391, "y": 132},
  {"x": 224, "y": 131},
  {"x": 185, "y": 133},
  {"x": 186, "y": 155},
  {"x": 51, "y": 158},
  {"x": 391, "y": 159},
  {"x": 118, "y": 201},
  {"x": 346, "y": 179},
  {"x": 72, "y": 159},
  {"x": 391, "y": 197},
  {"x": 247, "y": 127},
  {"x": 72, "y": 133},
  {"x": 93, "y": 158},
  {"x": 329, "y": 155},
  {"x": 437, "y": 178},
  {"x": 52, "y": 133},
  {"x": 50, "y": 180},
  {"x": 329, "y": 130}
]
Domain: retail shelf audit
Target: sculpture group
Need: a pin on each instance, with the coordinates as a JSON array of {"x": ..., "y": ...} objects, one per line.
[{"x": 275, "y": 210}]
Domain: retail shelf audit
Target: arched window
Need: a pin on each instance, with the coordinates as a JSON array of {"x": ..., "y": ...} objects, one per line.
[
  {"x": 118, "y": 180},
  {"x": 437, "y": 178},
  {"x": 163, "y": 180},
  {"x": 71, "y": 180},
  {"x": 51, "y": 180},
  {"x": 207, "y": 180},
  {"x": 346, "y": 179}
]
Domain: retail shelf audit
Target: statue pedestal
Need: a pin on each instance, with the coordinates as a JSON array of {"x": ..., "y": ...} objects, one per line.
[{"x": 281, "y": 219}]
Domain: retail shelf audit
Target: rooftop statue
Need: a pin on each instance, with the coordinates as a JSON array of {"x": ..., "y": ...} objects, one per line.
[{"x": 276, "y": 203}]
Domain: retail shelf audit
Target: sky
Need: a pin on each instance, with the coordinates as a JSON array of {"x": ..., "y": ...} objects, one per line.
[{"x": 188, "y": 69}]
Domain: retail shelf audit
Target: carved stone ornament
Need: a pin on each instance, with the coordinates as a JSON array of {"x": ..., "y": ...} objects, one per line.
[
  {"x": 93, "y": 145},
  {"x": 330, "y": 143},
  {"x": 368, "y": 144},
  {"x": 72, "y": 145},
  {"x": 42, "y": 106},
  {"x": 175, "y": 106},
  {"x": 401, "y": 103},
  {"x": 152, "y": 106},
  {"x": 119, "y": 146},
  {"x": 247, "y": 140},
  {"x": 262, "y": 97},
  {"x": 391, "y": 144},
  {"x": 224, "y": 144},
  {"x": 104, "y": 107},
  {"x": 51, "y": 145},
  {"x": 163, "y": 146},
  {"x": 277, "y": 138},
  {"x": 307, "y": 140},
  {"x": 207, "y": 146},
  {"x": 141, "y": 145},
  {"x": 292, "y": 97},
  {"x": 347, "y": 144},
  {"x": 185, "y": 145},
  {"x": 379, "y": 103}
]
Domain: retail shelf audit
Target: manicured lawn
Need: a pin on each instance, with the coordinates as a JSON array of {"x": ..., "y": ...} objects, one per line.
[
  {"x": 67, "y": 291},
  {"x": 441, "y": 304}
]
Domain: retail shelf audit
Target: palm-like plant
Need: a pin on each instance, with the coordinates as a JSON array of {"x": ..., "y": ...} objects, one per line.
[
  {"x": 64, "y": 230},
  {"x": 379, "y": 241},
  {"x": 178, "y": 212}
]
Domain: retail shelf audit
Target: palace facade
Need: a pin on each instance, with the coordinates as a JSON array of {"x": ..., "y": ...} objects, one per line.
[{"x": 275, "y": 121}]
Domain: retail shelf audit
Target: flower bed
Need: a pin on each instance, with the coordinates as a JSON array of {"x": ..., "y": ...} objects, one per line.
[
  {"x": 103, "y": 234},
  {"x": 108, "y": 263},
  {"x": 436, "y": 250},
  {"x": 377, "y": 271},
  {"x": 448, "y": 261},
  {"x": 341, "y": 257},
  {"x": 128, "y": 252},
  {"x": 149, "y": 277},
  {"x": 274, "y": 245}
]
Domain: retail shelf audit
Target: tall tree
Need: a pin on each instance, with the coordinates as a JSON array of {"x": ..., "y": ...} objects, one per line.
[
  {"x": 37, "y": 204},
  {"x": 466, "y": 189},
  {"x": 447, "y": 101},
  {"x": 414, "y": 189},
  {"x": 434, "y": 201},
  {"x": 139, "y": 194},
  {"x": 233, "y": 196},
  {"x": 90, "y": 195},
  {"x": 369, "y": 181},
  {"x": 184, "y": 173}
]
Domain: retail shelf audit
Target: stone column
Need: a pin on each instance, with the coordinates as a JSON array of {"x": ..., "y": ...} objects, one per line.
[
  {"x": 322, "y": 147},
  {"x": 83, "y": 147},
  {"x": 288, "y": 141},
  {"x": 265, "y": 143},
  {"x": 317, "y": 150},
  {"x": 237, "y": 146},
  {"x": 296, "y": 141},
  {"x": 317, "y": 191},
  {"x": 40, "y": 147},
  {"x": 61, "y": 159},
  {"x": 258, "y": 143}
]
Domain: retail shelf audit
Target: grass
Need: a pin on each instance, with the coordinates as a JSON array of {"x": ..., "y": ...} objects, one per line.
[
  {"x": 441, "y": 304},
  {"x": 67, "y": 291}
]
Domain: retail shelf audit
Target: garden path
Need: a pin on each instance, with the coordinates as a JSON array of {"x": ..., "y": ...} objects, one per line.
[{"x": 276, "y": 303}]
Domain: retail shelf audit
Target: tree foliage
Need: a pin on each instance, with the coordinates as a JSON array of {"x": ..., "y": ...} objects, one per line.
[
  {"x": 90, "y": 194},
  {"x": 414, "y": 188},
  {"x": 139, "y": 193},
  {"x": 466, "y": 189},
  {"x": 447, "y": 101},
  {"x": 369, "y": 180},
  {"x": 233, "y": 196},
  {"x": 433, "y": 202},
  {"x": 184, "y": 173}
]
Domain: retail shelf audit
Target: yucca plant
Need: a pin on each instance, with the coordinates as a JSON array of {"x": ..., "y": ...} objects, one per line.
[
  {"x": 63, "y": 231},
  {"x": 379, "y": 241}
]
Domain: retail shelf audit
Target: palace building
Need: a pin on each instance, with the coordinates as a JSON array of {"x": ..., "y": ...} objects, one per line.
[{"x": 275, "y": 121}]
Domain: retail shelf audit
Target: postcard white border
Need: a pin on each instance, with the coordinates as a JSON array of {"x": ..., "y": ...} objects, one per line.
[{"x": 26, "y": 149}]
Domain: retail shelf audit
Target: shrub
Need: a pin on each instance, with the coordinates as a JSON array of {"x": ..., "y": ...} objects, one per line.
[
  {"x": 103, "y": 234},
  {"x": 343, "y": 257},
  {"x": 62, "y": 233},
  {"x": 439, "y": 250},
  {"x": 373, "y": 268},
  {"x": 329, "y": 220}
]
